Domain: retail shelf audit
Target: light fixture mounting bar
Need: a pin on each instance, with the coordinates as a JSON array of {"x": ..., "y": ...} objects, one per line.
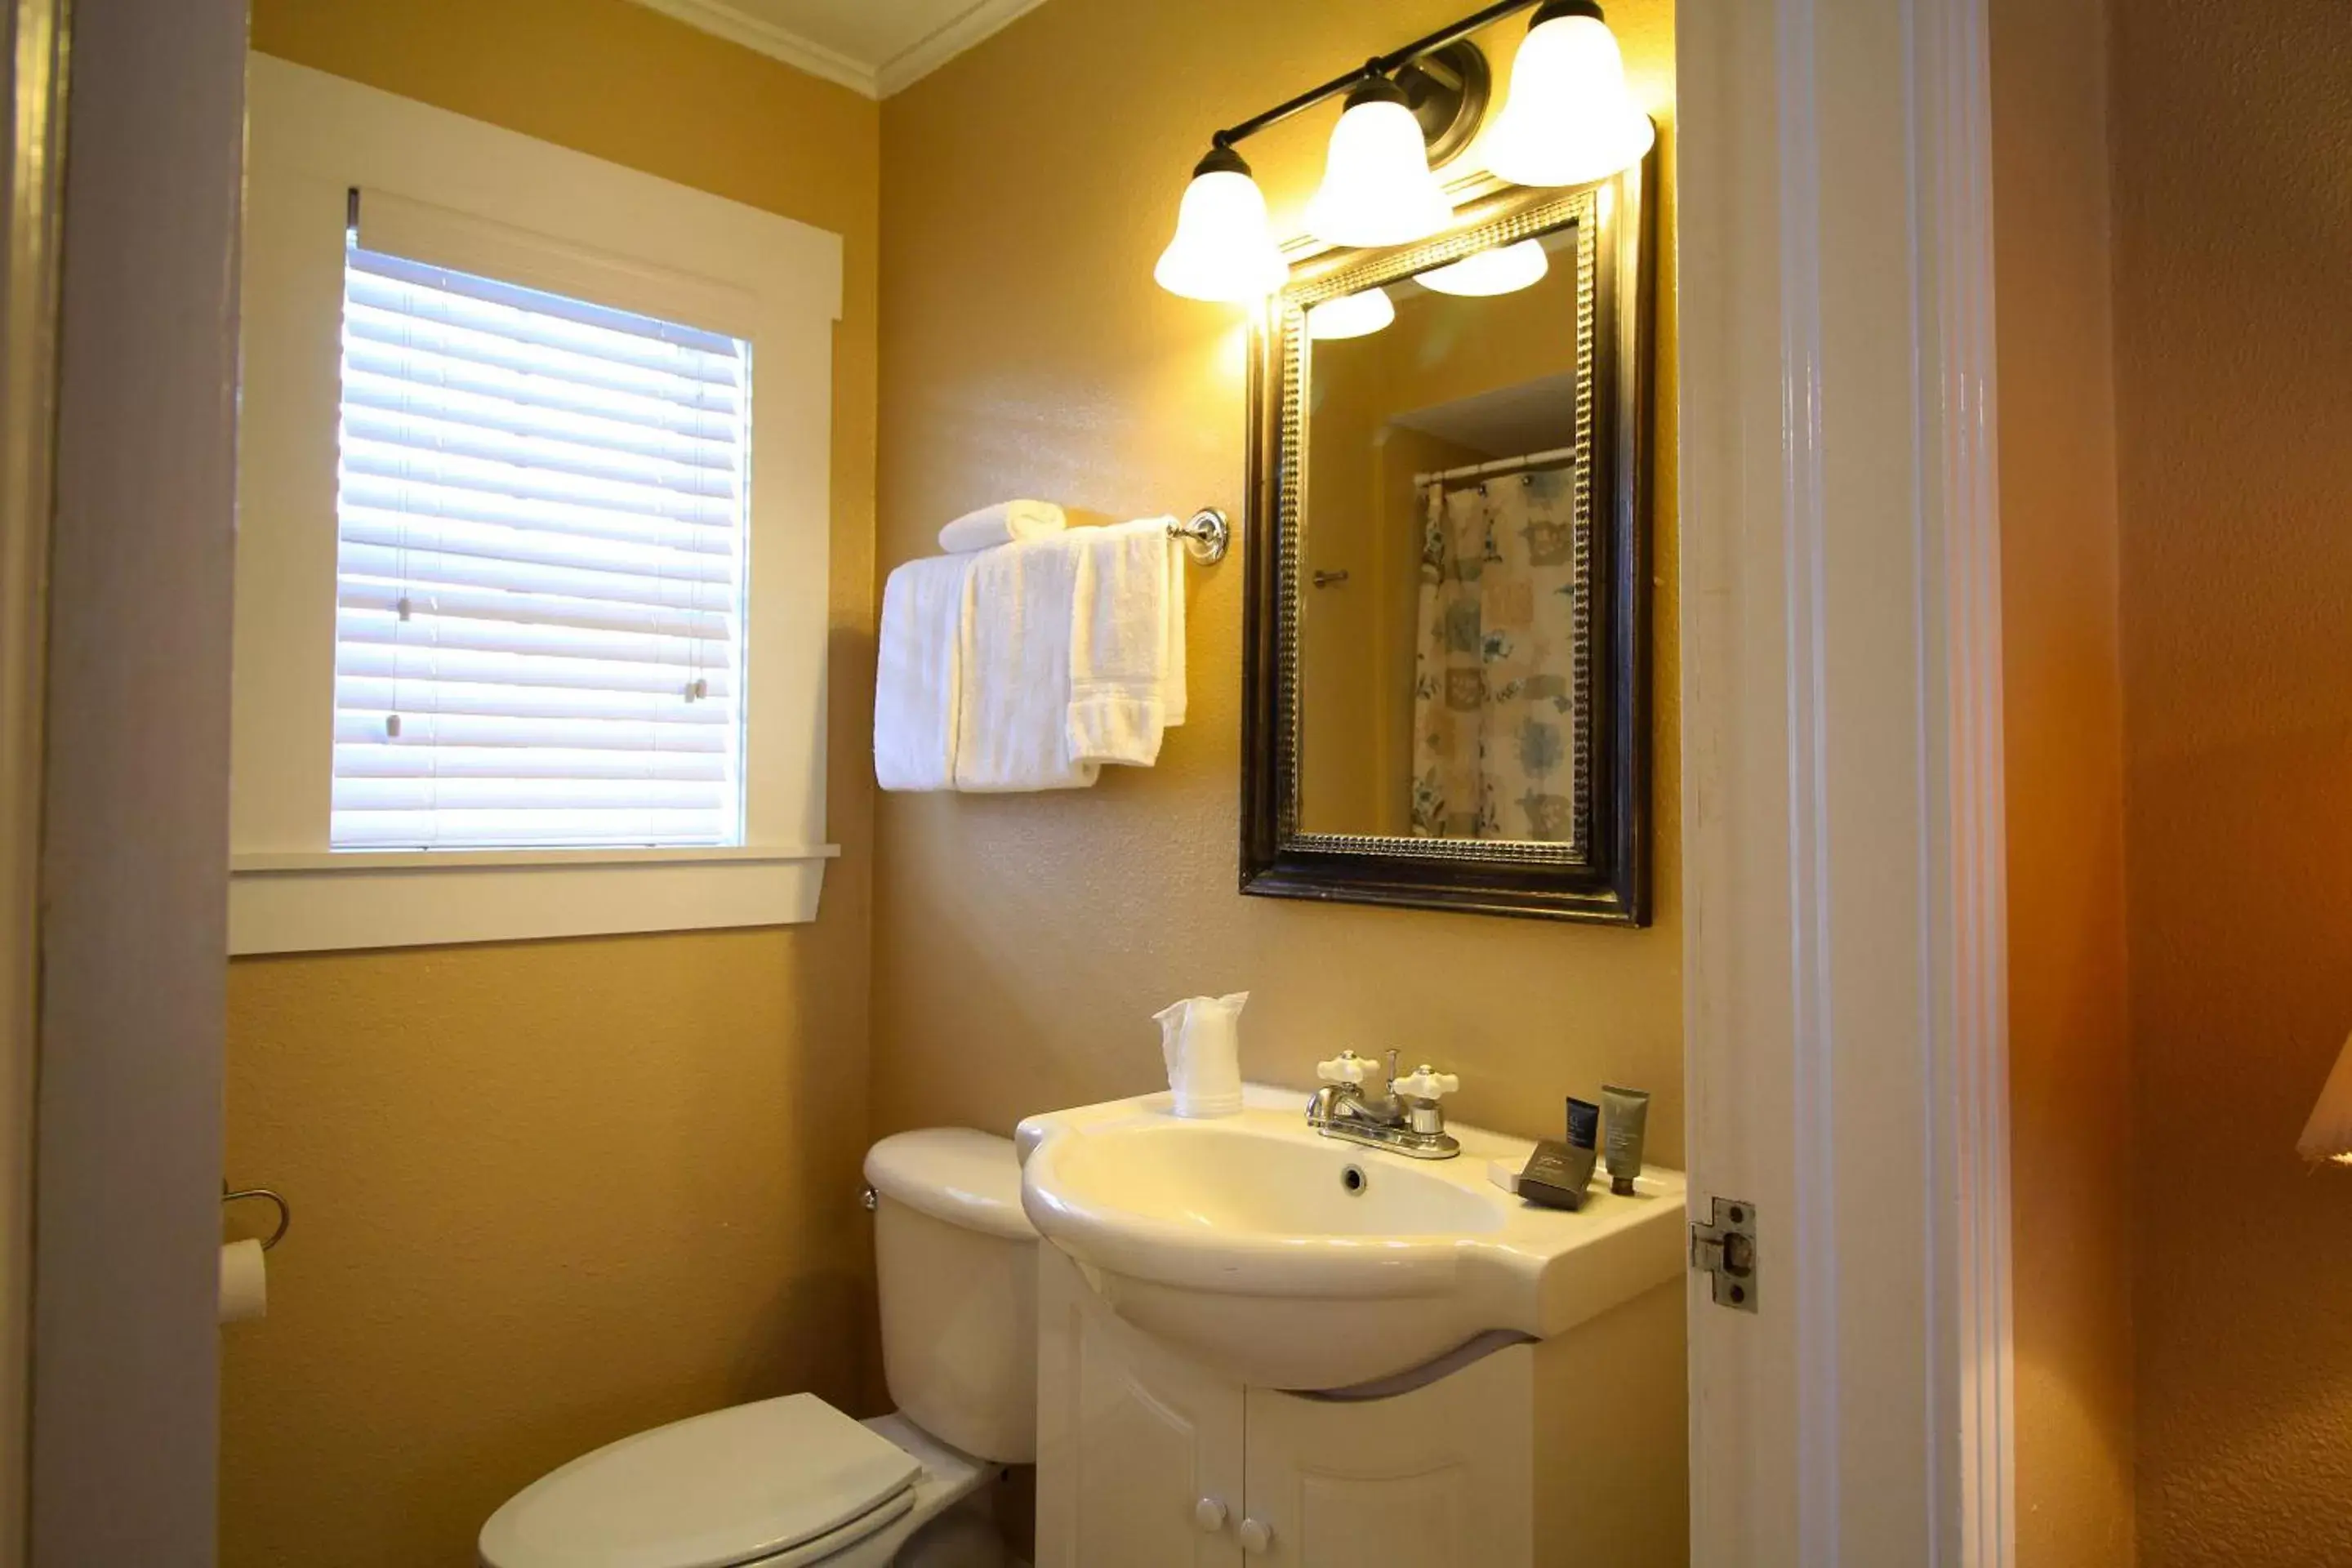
[{"x": 1378, "y": 65}]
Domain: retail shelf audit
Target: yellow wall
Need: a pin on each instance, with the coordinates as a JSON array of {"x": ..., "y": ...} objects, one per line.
[
  {"x": 2069, "y": 1062},
  {"x": 550, "y": 1194},
  {"x": 2232, "y": 139},
  {"x": 1022, "y": 943}
]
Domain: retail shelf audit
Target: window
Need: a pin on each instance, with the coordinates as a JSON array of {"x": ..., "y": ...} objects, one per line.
[
  {"x": 540, "y": 574},
  {"x": 533, "y": 525}
]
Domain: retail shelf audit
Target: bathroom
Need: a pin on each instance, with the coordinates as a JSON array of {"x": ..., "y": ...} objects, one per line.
[
  {"x": 557, "y": 1171},
  {"x": 549, "y": 1149}
]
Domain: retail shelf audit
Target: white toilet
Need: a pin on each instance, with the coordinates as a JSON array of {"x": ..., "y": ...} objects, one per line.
[{"x": 792, "y": 1481}]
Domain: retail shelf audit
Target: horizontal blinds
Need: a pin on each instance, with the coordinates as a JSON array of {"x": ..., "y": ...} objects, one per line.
[{"x": 540, "y": 573}]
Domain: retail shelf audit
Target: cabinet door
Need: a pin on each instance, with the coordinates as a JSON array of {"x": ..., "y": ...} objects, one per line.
[
  {"x": 1132, "y": 1440},
  {"x": 1440, "y": 1478}
]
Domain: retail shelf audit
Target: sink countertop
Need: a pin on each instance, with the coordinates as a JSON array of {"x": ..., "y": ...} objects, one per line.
[{"x": 1240, "y": 1209}]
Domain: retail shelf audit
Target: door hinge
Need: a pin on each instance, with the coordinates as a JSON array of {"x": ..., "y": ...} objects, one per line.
[{"x": 1724, "y": 1246}]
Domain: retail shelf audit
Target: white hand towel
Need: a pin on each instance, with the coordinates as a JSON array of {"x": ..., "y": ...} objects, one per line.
[
  {"x": 1127, "y": 648},
  {"x": 1013, "y": 730},
  {"x": 1006, "y": 522},
  {"x": 919, "y": 672}
]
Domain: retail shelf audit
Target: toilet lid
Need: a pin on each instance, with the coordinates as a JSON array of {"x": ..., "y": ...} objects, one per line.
[{"x": 709, "y": 1492}]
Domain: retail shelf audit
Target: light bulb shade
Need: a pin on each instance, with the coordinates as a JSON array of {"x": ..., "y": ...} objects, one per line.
[
  {"x": 1505, "y": 271},
  {"x": 1569, "y": 119},
  {"x": 1377, "y": 189},
  {"x": 2329, "y": 1134},
  {"x": 1350, "y": 315},
  {"x": 1224, "y": 249}
]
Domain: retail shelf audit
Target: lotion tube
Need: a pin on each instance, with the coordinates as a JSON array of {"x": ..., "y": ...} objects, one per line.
[{"x": 1629, "y": 1117}]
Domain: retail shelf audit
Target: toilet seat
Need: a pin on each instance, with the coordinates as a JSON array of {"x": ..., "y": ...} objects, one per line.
[{"x": 774, "y": 1484}]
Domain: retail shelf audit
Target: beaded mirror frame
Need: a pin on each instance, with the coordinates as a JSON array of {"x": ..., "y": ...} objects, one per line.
[{"x": 1601, "y": 872}]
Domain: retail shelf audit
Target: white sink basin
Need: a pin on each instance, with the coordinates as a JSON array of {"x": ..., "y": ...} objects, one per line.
[{"x": 1244, "y": 1241}]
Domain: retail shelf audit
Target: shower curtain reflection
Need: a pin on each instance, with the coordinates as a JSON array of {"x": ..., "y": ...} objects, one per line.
[{"x": 1494, "y": 688}]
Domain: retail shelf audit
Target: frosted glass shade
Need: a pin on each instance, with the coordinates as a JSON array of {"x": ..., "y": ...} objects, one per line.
[
  {"x": 1569, "y": 119},
  {"x": 1505, "y": 271},
  {"x": 1224, "y": 249},
  {"x": 2329, "y": 1134},
  {"x": 1351, "y": 315},
  {"x": 1377, "y": 189}
]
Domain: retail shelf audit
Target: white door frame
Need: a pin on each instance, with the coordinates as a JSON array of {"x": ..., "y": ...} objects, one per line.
[
  {"x": 132, "y": 918},
  {"x": 1841, "y": 749}
]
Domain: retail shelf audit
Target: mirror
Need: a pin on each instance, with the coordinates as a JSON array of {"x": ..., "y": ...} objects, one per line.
[{"x": 1448, "y": 700}]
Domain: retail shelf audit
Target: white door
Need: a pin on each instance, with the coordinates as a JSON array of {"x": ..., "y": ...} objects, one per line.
[
  {"x": 130, "y": 765},
  {"x": 1844, "y": 1013},
  {"x": 1440, "y": 1478},
  {"x": 1139, "y": 1451}
]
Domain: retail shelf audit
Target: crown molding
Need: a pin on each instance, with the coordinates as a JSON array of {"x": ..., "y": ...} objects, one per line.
[
  {"x": 722, "y": 20},
  {"x": 902, "y": 70},
  {"x": 980, "y": 22}
]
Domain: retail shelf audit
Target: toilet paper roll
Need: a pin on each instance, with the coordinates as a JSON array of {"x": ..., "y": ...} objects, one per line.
[{"x": 244, "y": 1284}]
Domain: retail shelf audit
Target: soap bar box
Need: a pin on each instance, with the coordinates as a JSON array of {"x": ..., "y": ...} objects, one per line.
[{"x": 1558, "y": 1175}]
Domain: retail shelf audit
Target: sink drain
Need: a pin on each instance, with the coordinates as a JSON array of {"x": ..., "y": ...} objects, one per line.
[{"x": 1353, "y": 1179}]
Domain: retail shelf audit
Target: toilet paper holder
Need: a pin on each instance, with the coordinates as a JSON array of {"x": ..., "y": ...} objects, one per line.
[{"x": 285, "y": 1209}]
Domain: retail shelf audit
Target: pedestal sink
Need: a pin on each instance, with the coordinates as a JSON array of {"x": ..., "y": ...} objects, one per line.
[{"x": 1296, "y": 1262}]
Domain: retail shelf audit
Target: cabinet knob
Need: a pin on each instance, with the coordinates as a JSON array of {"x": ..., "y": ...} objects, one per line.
[
  {"x": 1209, "y": 1514},
  {"x": 1257, "y": 1536}
]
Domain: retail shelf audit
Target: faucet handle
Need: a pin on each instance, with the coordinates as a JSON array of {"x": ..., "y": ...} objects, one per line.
[
  {"x": 1425, "y": 1082},
  {"x": 1347, "y": 1068}
]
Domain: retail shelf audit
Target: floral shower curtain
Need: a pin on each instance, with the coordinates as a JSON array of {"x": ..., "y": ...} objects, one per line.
[{"x": 1494, "y": 695}]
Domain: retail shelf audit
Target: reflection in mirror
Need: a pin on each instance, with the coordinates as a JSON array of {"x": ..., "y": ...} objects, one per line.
[
  {"x": 1446, "y": 691},
  {"x": 1443, "y": 623}
]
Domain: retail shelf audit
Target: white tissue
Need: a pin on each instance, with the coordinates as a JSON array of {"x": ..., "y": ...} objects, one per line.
[
  {"x": 1200, "y": 1039},
  {"x": 244, "y": 1282}
]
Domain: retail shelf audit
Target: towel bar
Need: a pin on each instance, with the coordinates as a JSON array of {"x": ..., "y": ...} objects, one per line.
[{"x": 1206, "y": 535}]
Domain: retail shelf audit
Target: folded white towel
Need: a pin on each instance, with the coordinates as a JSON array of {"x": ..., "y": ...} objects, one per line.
[
  {"x": 1126, "y": 643},
  {"x": 1013, "y": 728},
  {"x": 919, "y": 672},
  {"x": 1006, "y": 522}
]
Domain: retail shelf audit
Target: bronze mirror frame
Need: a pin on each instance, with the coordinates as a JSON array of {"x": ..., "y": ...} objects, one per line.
[{"x": 1602, "y": 876}]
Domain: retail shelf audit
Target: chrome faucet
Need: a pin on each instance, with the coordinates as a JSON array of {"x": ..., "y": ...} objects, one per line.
[{"x": 1405, "y": 1116}]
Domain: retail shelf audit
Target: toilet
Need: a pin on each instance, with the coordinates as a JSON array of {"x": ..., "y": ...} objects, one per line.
[{"x": 789, "y": 1482}]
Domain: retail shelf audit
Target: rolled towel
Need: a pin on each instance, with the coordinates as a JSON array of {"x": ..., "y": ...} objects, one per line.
[{"x": 1006, "y": 522}]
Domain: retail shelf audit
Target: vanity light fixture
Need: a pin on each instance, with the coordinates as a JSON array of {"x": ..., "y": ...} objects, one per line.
[
  {"x": 1569, "y": 119},
  {"x": 1350, "y": 315},
  {"x": 1505, "y": 270},
  {"x": 1378, "y": 188},
  {"x": 1405, "y": 108},
  {"x": 1224, "y": 249}
]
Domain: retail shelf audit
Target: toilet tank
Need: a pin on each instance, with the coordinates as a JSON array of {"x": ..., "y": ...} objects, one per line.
[{"x": 956, "y": 1270}]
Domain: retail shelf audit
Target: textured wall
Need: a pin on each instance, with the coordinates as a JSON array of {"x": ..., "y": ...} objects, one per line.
[
  {"x": 2069, "y": 1049},
  {"x": 2232, "y": 136},
  {"x": 1022, "y": 943},
  {"x": 550, "y": 1194}
]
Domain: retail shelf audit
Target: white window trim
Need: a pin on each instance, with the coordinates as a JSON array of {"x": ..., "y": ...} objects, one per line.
[{"x": 462, "y": 194}]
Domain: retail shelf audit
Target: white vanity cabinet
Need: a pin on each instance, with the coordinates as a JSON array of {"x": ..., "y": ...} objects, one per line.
[
  {"x": 1138, "y": 1454},
  {"x": 1440, "y": 1476},
  {"x": 1567, "y": 1452}
]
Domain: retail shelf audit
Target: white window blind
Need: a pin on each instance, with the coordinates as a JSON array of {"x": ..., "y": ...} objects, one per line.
[{"x": 541, "y": 518}]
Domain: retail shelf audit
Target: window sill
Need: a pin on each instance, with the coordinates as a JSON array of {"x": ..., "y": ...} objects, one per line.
[{"x": 325, "y": 902}]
